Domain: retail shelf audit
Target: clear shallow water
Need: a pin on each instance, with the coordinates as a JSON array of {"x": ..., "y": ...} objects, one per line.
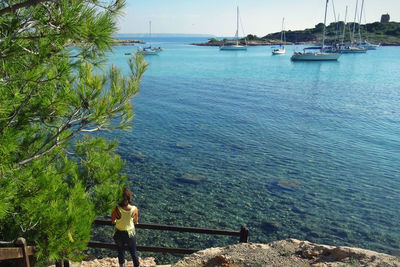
[{"x": 290, "y": 149}]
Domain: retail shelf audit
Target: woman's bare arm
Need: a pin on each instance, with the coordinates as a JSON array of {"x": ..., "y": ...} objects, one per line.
[
  {"x": 135, "y": 216},
  {"x": 116, "y": 214}
]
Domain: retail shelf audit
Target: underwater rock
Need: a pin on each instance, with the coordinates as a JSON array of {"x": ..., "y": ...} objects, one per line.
[
  {"x": 313, "y": 235},
  {"x": 183, "y": 145},
  {"x": 287, "y": 184},
  {"x": 340, "y": 233},
  {"x": 237, "y": 146},
  {"x": 270, "y": 227},
  {"x": 192, "y": 178},
  {"x": 137, "y": 157},
  {"x": 298, "y": 211}
]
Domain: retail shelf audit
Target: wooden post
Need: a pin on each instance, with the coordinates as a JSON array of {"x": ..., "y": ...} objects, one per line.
[
  {"x": 63, "y": 263},
  {"x": 21, "y": 242},
  {"x": 244, "y": 234}
]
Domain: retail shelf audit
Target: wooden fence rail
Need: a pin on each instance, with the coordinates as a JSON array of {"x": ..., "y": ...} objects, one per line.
[
  {"x": 21, "y": 252},
  {"x": 243, "y": 235}
]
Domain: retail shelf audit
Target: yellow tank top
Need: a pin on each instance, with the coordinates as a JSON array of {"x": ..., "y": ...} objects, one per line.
[{"x": 125, "y": 223}]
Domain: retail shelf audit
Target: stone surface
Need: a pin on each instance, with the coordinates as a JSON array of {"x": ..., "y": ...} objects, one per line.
[
  {"x": 113, "y": 262},
  {"x": 192, "y": 178},
  {"x": 289, "y": 252}
]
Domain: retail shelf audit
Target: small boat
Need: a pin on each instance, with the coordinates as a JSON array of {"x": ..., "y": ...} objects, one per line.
[
  {"x": 149, "y": 50},
  {"x": 235, "y": 46},
  {"x": 281, "y": 50},
  {"x": 320, "y": 55},
  {"x": 128, "y": 54}
]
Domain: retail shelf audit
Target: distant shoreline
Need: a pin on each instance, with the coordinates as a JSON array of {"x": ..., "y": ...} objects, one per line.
[
  {"x": 275, "y": 42},
  {"x": 128, "y": 41},
  {"x": 214, "y": 42},
  {"x": 268, "y": 44}
]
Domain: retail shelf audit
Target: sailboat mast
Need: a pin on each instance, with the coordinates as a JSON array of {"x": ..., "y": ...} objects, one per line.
[
  {"x": 237, "y": 25},
  {"x": 365, "y": 22},
  {"x": 283, "y": 30},
  {"x": 359, "y": 24},
  {"x": 323, "y": 36},
  {"x": 283, "y": 20},
  {"x": 344, "y": 26},
  {"x": 150, "y": 31},
  {"x": 336, "y": 21},
  {"x": 355, "y": 17}
]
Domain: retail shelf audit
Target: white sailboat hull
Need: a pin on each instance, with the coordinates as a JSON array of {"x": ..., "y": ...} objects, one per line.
[
  {"x": 233, "y": 47},
  {"x": 317, "y": 56},
  {"x": 369, "y": 46},
  {"x": 352, "y": 50},
  {"x": 149, "y": 51},
  {"x": 279, "y": 51}
]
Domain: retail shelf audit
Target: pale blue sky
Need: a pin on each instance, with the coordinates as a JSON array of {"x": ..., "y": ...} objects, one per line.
[{"x": 218, "y": 17}]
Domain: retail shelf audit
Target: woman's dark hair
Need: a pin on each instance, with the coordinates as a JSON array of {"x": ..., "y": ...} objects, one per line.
[{"x": 126, "y": 197}]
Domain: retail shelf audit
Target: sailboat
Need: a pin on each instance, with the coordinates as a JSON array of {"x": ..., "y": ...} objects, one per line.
[
  {"x": 236, "y": 46},
  {"x": 320, "y": 55},
  {"x": 281, "y": 50},
  {"x": 149, "y": 50},
  {"x": 365, "y": 44},
  {"x": 348, "y": 48}
]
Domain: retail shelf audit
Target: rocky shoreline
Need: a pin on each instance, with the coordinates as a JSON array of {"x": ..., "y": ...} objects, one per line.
[
  {"x": 127, "y": 42},
  {"x": 249, "y": 43},
  {"x": 290, "y": 252}
]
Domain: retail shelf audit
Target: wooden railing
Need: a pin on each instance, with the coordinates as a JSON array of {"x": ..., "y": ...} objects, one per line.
[
  {"x": 243, "y": 235},
  {"x": 20, "y": 252},
  {"x": 17, "y": 251}
]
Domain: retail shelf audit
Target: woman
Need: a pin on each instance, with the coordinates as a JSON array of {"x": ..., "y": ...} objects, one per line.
[{"x": 125, "y": 216}]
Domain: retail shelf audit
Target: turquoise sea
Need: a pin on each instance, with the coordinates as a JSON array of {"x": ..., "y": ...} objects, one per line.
[{"x": 306, "y": 150}]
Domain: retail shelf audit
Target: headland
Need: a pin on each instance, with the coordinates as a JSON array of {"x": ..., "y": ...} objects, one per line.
[{"x": 384, "y": 33}]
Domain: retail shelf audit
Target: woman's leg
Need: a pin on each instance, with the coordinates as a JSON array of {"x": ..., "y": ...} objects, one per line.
[
  {"x": 119, "y": 240},
  {"x": 133, "y": 251}
]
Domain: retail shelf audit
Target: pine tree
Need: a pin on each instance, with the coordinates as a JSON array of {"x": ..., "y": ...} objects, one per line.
[{"x": 55, "y": 176}]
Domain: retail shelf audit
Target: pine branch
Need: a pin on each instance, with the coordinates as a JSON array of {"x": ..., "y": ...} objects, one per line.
[
  {"x": 13, "y": 8},
  {"x": 57, "y": 144}
]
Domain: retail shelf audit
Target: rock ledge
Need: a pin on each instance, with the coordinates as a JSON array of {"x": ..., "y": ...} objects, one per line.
[{"x": 291, "y": 252}]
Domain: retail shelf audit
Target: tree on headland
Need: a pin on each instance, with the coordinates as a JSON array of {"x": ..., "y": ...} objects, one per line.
[
  {"x": 251, "y": 37},
  {"x": 55, "y": 175}
]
